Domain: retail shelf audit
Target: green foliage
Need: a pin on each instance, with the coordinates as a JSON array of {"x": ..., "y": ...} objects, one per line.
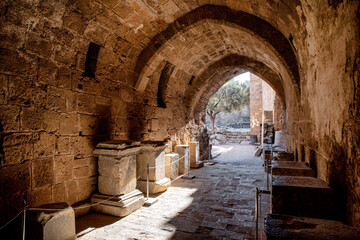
[{"x": 231, "y": 97}]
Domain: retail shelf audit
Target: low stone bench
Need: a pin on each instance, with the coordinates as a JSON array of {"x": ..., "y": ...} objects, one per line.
[
  {"x": 302, "y": 196},
  {"x": 290, "y": 227},
  {"x": 56, "y": 223},
  {"x": 291, "y": 168}
]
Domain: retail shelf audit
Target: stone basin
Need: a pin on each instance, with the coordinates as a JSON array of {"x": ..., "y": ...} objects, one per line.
[
  {"x": 291, "y": 168},
  {"x": 296, "y": 228},
  {"x": 302, "y": 196}
]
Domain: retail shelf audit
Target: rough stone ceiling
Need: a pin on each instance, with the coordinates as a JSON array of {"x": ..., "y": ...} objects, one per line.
[{"x": 207, "y": 34}]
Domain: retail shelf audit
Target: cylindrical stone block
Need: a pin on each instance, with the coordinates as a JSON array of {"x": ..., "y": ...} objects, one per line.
[
  {"x": 184, "y": 155},
  {"x": 171, "y": 165}
]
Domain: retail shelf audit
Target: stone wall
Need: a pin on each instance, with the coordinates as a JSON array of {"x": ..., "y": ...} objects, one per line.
[{"x": 256, "y": 105}]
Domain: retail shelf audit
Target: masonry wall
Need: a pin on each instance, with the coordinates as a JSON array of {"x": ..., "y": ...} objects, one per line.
[
  {"x": 324, "y": 129},
  {"x": 52, "y": 116},
  {"x": 256, "y": 105}
]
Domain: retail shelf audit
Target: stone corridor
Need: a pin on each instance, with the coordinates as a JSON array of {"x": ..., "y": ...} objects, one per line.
[{"x": 217, "y": 204}]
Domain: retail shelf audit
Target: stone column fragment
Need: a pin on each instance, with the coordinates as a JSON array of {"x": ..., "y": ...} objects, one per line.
[
  {"x": 152, "y": 153},
  {"x": 171, "y": 165},
  {"x": 117, "y": 176},
  {"x": 195, "y": 155},
  {"x": 184, "y": 155}
]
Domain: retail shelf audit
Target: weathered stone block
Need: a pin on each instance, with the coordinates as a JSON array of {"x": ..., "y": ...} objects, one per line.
[
  {"x": 184, "y": 156},
  {"x": 291, "y": 168},
  {"x": 195, "y": 155},
  {"x": 63, "y": 168},
  {"x": 43, "y": 171},
  {"x": 117, "y": 166},
  {"x": 9, "y": 117},
  {"x": 86, "y": 186},
  {"x": 62, "y": 145},
  {"x": 17, "y": 148},
  {"x": 86, "y": 103},
  {"x": 14, "y": 178},
  {"x": 117, "y": 175},
  {"x": 51, "y": 224},
  {"x": 83, "y": 146},
  {"x": 59, "y": 192},
  {"x": 119, "y": 206},
  {"x": 32, "y": 118},
  {"x": 155, "y": 157},
  {"x": 302, "y": 196},
  {"x": 44, "y": 144},
  {"x": 39, "y": 196},
  {"x": 69, "y": 124},
  {"x": 291, "y": 227},
  {"x": 171, "y": 165}
]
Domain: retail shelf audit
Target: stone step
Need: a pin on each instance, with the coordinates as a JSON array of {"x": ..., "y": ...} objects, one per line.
[
  {"x": 291, "y": 168},
  {"x": 291, "y": 227},
  {"x": 303, "y": 197}
]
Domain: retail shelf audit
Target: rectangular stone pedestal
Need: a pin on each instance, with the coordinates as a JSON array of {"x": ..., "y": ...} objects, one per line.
[
  {"x": 119, "y": 206},
  {"x": 291, "y": 227},
  {"x": 184, "y": 155},
  {"x": 152, "y": 154},
  {"x": 117, "y": 166},
  {"x": 195, "y": 155},
  {"x": 171, "y": 165},
  {"x": 117, "y": 176},
  {"x": 51, "y": 224},
  {"x": 302, "y": 196},
  {"x": 291, "y": 168}
]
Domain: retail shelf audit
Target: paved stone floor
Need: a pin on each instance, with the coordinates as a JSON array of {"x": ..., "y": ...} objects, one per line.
[{"x": 217, "y": 204}]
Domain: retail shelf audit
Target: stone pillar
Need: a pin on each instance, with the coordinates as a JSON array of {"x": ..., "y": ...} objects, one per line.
[
  {"x": 171, "y": 165},
  {"x": 184, "y": 155},
  {"x": 117, "y": 177},
  {"x": 195, "y": 155},
  {"x": 152, "y": 153}
]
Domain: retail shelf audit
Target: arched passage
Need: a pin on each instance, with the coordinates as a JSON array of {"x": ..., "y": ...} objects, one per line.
[{"x": 250, "y": 24}]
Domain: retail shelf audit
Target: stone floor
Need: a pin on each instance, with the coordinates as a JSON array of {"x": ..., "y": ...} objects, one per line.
[{"x": 217, "y": 204}]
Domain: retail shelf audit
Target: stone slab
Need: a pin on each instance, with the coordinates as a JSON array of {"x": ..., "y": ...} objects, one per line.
[
  {"x": 154, "y": 186},
  {"x": 117, "y": 175},
  {"x": 302, "y": 196},
  {"x": 184, "y": 155},
  {"x": 172, "y": 165},
  {"x": 119, "y": 206},
  {"x": 116, "y": 148},
  {"x": 285, "y": 156},
  {"x": 291, "y": 168},
  {"x": 291, "y": 227},
  {"x": 51, "y": 224}
]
